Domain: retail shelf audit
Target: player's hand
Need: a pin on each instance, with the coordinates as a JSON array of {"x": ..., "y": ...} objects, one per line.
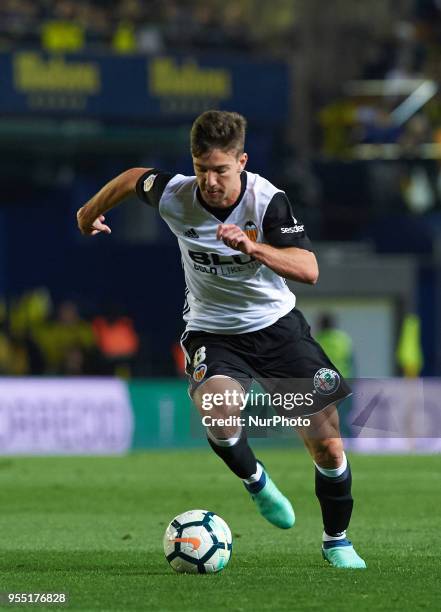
[
  {"x": 235, "y": 238},
  {"x": 89, "y": 225}
]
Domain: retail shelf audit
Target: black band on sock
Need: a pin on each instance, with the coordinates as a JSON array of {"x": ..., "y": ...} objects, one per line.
[
  {"x": 334, "y": 495},
  {"x": 239, "y": 457}
]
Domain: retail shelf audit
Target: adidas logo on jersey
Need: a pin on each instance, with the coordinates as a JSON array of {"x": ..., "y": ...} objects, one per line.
[
  {"x": 292, "y": 230},
  {"x": 191, "y": 233}
]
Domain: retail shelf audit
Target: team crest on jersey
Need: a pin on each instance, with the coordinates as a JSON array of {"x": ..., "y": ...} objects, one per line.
[
  {"x": 200, "y": 372},
  {"x": 199, "y": 356},
  {"x": 326, "y": 381},
  {"x": 251, "y": 230},
  {"x": 148, "y": 183}
]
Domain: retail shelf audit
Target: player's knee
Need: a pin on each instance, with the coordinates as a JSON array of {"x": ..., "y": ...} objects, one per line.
[
  {"x": 219, "y": 400},
  {"x": 329, "y": 453},
  {"x": 219, "y": 396}
]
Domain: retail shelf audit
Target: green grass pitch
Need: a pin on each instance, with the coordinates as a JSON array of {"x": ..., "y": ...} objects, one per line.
[{"x": 93, "y": 527}]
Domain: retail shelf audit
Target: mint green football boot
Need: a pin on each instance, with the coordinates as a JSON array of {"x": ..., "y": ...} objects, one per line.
[
  {"x": 272, "y": 505},
  {"x": 341, "y": 554}
]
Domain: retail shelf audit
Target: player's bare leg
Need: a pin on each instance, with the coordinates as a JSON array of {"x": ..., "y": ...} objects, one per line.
[
  {"x": 230, "y": 443},
  {"x": 333, "y": 481}
]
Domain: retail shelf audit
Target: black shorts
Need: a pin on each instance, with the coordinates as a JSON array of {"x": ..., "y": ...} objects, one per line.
[{"x": 283, "y": 358}]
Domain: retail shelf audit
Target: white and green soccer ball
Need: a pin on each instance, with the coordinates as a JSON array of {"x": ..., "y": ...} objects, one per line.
[{"x": 198, "y": 541}]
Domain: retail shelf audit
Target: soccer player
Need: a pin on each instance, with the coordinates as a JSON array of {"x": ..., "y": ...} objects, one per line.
[{"x": 239, "y": 241}]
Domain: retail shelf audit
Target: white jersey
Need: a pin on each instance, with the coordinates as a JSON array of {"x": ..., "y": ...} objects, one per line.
[{"x": 227, "y": 292}]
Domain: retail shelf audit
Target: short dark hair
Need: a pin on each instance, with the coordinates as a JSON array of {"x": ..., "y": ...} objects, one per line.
[{"x": 216, "y": 129}]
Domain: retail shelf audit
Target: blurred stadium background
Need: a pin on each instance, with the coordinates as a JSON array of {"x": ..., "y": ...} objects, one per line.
[
  {"x": 344, "y": 107},
  {"x": 344, "y": 111}
]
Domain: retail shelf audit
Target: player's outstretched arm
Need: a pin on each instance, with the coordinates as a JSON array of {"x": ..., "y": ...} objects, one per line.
[
  {"x": 90, "y": 217},
  {"x": 289, "y": 262}
]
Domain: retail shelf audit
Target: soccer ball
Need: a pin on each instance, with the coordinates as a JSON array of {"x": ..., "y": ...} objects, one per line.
[{"x": 198, "y": 541}]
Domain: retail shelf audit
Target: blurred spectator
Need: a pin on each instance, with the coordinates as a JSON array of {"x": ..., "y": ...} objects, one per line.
[
  {"x": 117, "y": 341},
  {"x": 409, "y": 350},
  {"x": 63, "y": 32},
  {"x": 14, "y": 357},
  {"x": 65, "y": 341},
  {"x": 417, "y": 189},
  {"x": 62, "y": 36},
  {"x": 26, "y": 314},
  {"x": 336, "y": 343},
  {"x": 29, "y": 311},
  {"x": 124, "y": 38},
  {"x": 337, "y": 121},
  {"x": 72, "y": 336},
  {"x": 18, "y": 361}
]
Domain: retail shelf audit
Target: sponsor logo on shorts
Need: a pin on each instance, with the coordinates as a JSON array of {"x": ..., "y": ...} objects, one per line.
[
  {"x": 148, "y": 183},
  {"x": 295, "y": 229},
  {"x": 251, "y": 230},
  {"x": 199, "y": 356},
  {"x": 200, "y": 372},
  {"x": 326, "y": 381}
]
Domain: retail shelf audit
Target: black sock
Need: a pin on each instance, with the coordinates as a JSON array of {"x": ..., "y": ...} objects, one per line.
[
  {"x": 239, "y": 457},
  {"x": 334, "y": 495}
]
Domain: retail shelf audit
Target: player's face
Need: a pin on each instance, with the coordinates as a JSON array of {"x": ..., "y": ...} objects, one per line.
[{"x": 218, "y": 176}]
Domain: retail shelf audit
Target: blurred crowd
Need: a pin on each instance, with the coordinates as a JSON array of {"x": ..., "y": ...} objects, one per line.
[
  {"x": 334, "y": 47},
  {"x": 37, "y": 338},
  {"x": 393, "y": 97},
  {"x": 390, "y": 41},
  {"x": 147, "y": 26}
]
